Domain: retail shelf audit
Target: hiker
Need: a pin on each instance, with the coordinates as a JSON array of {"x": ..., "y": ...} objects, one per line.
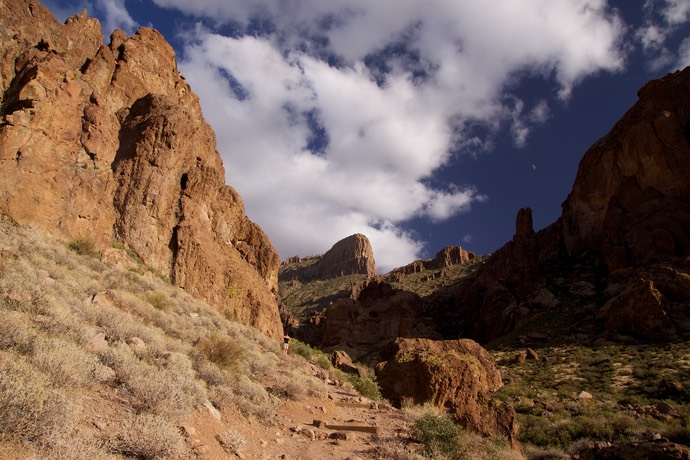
[{"x": 286, "y": 342}]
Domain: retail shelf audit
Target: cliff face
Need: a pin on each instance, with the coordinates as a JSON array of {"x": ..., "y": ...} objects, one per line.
[
  {"x": 631, "y": 197},
  {"x": 446, "y": 257},
  {"x": 109, "y": 143},
  {"x": 628, "y": 217},
  {"x": 350, "y": 256}
]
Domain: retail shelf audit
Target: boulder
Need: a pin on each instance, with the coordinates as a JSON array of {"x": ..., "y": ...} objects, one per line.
[
  {"x": 658, "y": 450},
  {"x": 341, "y": 360},
  {"x": 456, "y": 375}
]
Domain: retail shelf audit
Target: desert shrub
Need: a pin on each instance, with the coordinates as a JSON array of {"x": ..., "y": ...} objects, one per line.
[
  {"x": 473, "y": 446},
  {"x": 595, "y": 427},
  {"x": 546, "y": 453},
  {"x": 322, "y": 361},
  {"x": 29, "y": 407},
  {"x": 155, "y": 390},
  {"x": 302, "y": 349},
  {"x": 157, "y": 299},
  {"x": 223, "y": 351},
  {"x": 84, "y": 247},
  {"x": 366, "y": 387},
  {"x": 148, "y": 436},
  {"x": 391, "y": 450},
  {"x": 16, "y": 332},
  {"x": 262, "y": 364},
  {"x": 66, "y": 363},
  {"x": 209, "y": 372},
  {"x": 437, "y": 433},
  {"x": 232, "y": 441}
]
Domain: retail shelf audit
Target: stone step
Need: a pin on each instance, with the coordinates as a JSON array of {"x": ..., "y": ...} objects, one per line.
[{"x": 361, "y": 428}]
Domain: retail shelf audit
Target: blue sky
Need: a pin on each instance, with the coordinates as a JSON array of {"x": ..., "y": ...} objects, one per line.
[{"x": 420, "y": 124}]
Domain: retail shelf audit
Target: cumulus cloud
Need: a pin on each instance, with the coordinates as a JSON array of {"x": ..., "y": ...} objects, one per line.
[
  {"x": 116, "y": 16},
  {"x": 662, "y": 19},
  {"x": 334, "y": 118}
]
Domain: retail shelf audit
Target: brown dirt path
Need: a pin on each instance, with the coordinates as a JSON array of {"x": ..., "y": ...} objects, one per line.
[{"x": 291, "y": 435}]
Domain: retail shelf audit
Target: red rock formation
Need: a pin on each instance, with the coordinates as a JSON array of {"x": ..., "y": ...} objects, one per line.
[
  {"x": 350, "y": 256},
  {"x": 377, "y": 315},
  {"x": 456, "y": 375},
  {"x": 629, "y": 208},
  {"x": 631, "y": 197},
  {"x": 446, "y": 257},
  {"x": 109, "y": 143}
]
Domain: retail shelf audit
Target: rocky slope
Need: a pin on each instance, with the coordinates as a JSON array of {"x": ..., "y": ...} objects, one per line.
[{"x": 108, "y": 143}]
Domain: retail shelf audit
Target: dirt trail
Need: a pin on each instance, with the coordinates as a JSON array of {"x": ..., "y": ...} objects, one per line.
[{"x": 292, "y": 435}]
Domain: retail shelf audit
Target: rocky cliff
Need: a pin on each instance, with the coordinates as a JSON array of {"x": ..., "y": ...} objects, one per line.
[
  {"x": 628, "y": 217},
  {"x": 350, "y": 256},
  {"x": 108, "y": 143},
  {"x": 373, "y": 316},
  {"x": 446, "y": 257}
]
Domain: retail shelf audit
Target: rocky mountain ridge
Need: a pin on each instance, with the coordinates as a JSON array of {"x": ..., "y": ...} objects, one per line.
[
  {"x": 108, "y": 143},
  {"x": 628, "y": 216},
  {"x": 352, "y": 255}
]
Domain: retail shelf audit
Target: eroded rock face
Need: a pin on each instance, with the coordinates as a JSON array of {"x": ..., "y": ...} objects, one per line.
[
  {"x": 377, "y": 315},
  {"x": 446, "y": 257},
  {"x": 629, "y": 210},
  {"x": 350, "y": 256},
  {"x": 631, "y": 196},
  {"x": 109, "y": 143},
  {"x": 456, "y": 375}
]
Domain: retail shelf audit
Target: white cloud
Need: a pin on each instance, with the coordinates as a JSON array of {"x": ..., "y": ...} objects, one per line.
[
  {"x": 387, "y": 132},
  {"x": 116, "y": 16},
  {"x": 676, "y": 12},
  {"x": 684, "y": 54},
  {"x": 663, "y": 19}
]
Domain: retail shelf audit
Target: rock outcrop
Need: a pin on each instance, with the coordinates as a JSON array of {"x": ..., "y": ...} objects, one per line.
[
  {"x": 456, "y": 375},
  {"x": 377, "y": 315},
  {"x": 628, "y": 214},
  {"x": 107, "y": 142},
  {"x": 350, "y": 256},
  {"x": 446, "y": 257}
]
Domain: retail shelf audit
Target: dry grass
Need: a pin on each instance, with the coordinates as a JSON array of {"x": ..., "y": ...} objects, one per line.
[
  {"x": 54, "y": 303},
  {"x": 148, "y": 436}
]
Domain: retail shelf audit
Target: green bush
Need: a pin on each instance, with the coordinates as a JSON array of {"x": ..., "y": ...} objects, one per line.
[
  {"x": 157, "y": 299},
  {"x": 302, "y": 349},
  {"x": 366, "y": 387},
  {"x": 223, "y": 351},
  {"x": 85, "y": 247},
  {"x": 438, "y": 433}
]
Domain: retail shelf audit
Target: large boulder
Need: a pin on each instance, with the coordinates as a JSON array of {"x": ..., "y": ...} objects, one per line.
[
  {"x": 108, "y": 142},
  {"x": 456, "y": 375}
]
